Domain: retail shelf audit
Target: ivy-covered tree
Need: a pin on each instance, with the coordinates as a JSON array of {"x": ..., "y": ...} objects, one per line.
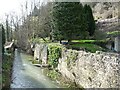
[
  {"x": 68, "y": 21},
  {"x": 3, "y": 38},
  {"x": 89, "y": 19},
  {"x": 7, "y": 30}
]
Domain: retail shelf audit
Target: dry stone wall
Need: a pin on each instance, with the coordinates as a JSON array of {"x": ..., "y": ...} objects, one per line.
[{"x": 90, "y": 70}]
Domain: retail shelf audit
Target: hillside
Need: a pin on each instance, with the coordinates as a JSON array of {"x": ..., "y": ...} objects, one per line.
[
  {"x": 106, "y": 14},
  {"x": 105, "y": 10}
]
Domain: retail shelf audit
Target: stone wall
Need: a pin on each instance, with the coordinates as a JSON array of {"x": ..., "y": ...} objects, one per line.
[
  {"x": 40, "y": 53},
  {"x": 117, "y": 44},
  {"x": 90, "y": 70}
]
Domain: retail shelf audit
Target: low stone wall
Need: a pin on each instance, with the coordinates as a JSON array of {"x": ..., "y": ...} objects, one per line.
[{"x": 90, "y": 70}]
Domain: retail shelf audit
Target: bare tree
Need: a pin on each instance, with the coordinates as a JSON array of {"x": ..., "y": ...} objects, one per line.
[{"x": 32, "y": 25}]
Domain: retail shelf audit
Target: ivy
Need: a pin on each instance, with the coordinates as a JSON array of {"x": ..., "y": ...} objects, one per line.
[{"x": 54, "y": 53}]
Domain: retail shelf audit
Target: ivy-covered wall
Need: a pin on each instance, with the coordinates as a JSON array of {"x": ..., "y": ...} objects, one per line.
[
  {"x": 48, "y": 53},
  {"x": 54, "y": 53},
  {"x": 89, "y": 70}
]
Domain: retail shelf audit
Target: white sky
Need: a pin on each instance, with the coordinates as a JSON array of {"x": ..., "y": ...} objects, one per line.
[{"x": 8, "y": 6}]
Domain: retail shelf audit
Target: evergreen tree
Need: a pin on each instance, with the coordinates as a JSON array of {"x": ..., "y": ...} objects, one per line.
[
  {"x": 56, "y": 31},
  {"x": 68, "y": 21},
  {"x": 89, "y": 19}
]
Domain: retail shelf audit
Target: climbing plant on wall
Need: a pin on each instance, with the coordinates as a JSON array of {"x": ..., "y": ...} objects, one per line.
[{"x": 54, "y": 53}]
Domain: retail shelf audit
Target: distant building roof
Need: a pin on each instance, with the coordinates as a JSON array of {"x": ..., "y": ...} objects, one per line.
[{"x": 35, "y": 11}]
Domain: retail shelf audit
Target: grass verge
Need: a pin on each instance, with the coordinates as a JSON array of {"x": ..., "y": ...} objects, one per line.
[
  {"x": 90, "y": 41},
  {"x": 88, "y": 47},
  {"x": 114, "y": 33},
  {"x": 64, "y": 82}
]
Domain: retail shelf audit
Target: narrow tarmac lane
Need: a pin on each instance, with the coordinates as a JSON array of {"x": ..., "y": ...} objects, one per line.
[{"x": 25, "y": 75}]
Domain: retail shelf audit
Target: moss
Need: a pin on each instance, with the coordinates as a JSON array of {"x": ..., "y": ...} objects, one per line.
[
  {"x": 36, "y": 62},
  {"x": 53, "y": 74}
]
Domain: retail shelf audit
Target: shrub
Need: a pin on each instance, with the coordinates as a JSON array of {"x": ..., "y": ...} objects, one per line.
[{"x": 53, "y": 74}]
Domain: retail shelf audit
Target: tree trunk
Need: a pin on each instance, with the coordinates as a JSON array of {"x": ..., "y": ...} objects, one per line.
[{"x": 60, "y": 41}]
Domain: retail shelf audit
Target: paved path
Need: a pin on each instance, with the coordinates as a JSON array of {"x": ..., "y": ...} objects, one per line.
[{"x": 25, "y": 75}]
